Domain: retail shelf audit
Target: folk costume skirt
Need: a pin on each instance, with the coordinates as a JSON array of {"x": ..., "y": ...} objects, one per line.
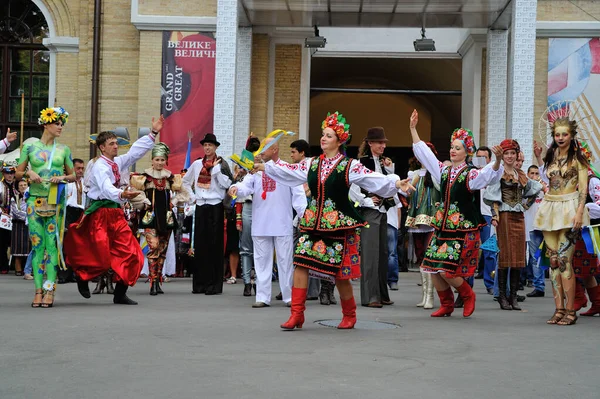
[
  {"x": 511, "y": 240},
  {"x": 453, "y": 253},
  {"x": 19, "y": 239},
  {"x": 556, "y": 212},
  {"x": 101, "y": 241},
  {"x": 584, "y": 263},
  {"x": 329, "y": 256}
]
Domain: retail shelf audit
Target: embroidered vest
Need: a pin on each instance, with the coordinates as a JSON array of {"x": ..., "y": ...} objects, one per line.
[
  {"x": 329, "y": 208},
  {"x": 460, "y": 208}
]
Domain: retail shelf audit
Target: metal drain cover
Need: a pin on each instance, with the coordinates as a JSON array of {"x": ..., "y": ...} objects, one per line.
[{"x": 360, "y": 324}]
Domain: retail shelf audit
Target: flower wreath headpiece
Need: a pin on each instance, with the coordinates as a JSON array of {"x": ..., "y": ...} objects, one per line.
[
  {"x": 52, "y": 115},
  {"x": 587, "y": 153},
  {"x": 337, "y": 123},
  {"x": 466, "y": 136}
]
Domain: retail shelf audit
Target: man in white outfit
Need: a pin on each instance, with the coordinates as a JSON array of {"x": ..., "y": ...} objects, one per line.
[
  {"x": 272, "y": 227},
  {"x": 5, "y": 142}
]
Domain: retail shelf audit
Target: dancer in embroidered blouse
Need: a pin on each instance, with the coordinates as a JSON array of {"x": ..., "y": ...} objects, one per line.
[
  {"x": 562, "y": 213},
  {"x": 102, "y": 229},
  {"x": 423, "y": 204},
  {"x": 328, "y": 242},
  {"x": 506, "y": 200},
  {"x": 453, "y": 251},
  {"x": 158, "y": 221},
  {"x": 49, "y": 161}
]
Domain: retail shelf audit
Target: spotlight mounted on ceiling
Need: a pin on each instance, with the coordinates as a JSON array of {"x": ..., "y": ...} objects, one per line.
[
  {"x": 424, "y": 44},
  {"x": 316, "y": 41}
]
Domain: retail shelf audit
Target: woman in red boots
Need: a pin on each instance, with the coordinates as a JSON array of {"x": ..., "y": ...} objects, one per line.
[
  {"x": 453, "y": 251},
  {"x": 328, "y": 242}
]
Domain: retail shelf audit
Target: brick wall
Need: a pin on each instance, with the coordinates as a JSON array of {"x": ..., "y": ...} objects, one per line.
[
  {"x": 562, "y": 10},
  {"x": 286, "y": 104},
  {"x": 541, "y": 83},
  {"x": 259, "y": 95},
  {"x": 197, "y": 8}
]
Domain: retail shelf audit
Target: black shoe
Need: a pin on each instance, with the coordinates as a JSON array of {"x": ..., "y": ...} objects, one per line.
[
  {"x": 153, "y": 288},
  {"x": 279, "y": 297},
  {"x": 479, "y": 276},
  {"x": 521, "y": 298},
  {"x": 124, "y": 300},
  {"x": 84, "y": 289},
  {"x": 247, "y": 289},
  {"x": 121, "y": 297},
  {"x": 529, "y": 283},
  {"x": 458, "y": 303},
  {"x": 158, "y": 288},
  {"x": 60, "y": 281},
  {"x": 490, "y": 291},
  {"x": 536, "y": 294}
]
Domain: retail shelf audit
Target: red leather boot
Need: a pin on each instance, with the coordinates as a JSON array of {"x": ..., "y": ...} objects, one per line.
[
  {"x": 594, "y": 294},
  {"x": 468, "y": 295},
  {"x": 446, "y": 303},
  {"x": 580, "y": 299},
  {"x": 349, "y": 312},
  {"x": 296, "y": 320}
]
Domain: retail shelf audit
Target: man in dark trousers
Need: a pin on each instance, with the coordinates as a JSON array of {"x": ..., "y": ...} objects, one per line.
[{"x": 373, "y": 247}]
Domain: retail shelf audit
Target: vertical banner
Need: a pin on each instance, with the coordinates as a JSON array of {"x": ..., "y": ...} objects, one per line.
[
  {"x": 574, "y": 74},
  {"x": 187, "y": 92}
]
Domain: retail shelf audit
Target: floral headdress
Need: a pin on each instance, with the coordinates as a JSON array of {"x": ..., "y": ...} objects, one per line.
[
  {"x": 337, "y": 123},
  {"x": 587, "y": 153},
  {"x": 52, "y": 115},
  {"x": 466, "y": 136}
]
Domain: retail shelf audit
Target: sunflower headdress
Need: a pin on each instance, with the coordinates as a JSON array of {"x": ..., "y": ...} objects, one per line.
[{"x": 52, "y": 115}]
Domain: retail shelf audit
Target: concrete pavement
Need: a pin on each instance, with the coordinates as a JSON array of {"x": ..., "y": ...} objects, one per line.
[{"x": 180, "y": 345}]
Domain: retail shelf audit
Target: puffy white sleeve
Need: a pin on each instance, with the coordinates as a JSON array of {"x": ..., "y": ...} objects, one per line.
[
  {"x": 136, "y": 152},
  {"x": 373, "y": 182},
  {"x": 290, "y": 175},
  {"x": 594, "y": 191},
  {"x": 543, "y": 174},
  {"x": 246, "y": 186},
  {"x": 428, "y": 159},
  {"x": 222, "y": 179},
  {"x": 480, "y": 178},
  {"x": 102, "y": 179},
  {"x": 3, "y": 145}
]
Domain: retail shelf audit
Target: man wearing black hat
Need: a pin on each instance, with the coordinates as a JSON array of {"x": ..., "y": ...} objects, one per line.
[
  {"x": 373, "y": 249},
  {"x": 207, "y": 181},
  {"x": 7, "y": 191}
]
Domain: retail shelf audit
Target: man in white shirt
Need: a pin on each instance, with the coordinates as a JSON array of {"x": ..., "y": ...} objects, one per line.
[
  {"x": 207, "y": 181},
  {"x": 5, "y": 142},
  {"x": 272, "y": 227},
  {"x": 76, "y": 199},
  {"x": 102, "y": 239}
]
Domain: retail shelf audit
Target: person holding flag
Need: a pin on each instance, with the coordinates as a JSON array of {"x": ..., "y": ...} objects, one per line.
[{"x": 49, "y": 161}]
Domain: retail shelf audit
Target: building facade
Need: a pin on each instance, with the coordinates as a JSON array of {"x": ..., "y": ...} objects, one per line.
[{"x": 496, "y": 67}]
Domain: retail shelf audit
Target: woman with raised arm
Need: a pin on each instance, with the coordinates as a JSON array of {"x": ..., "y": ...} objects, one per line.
[
  {"x": 328, "y": 242},
  {"x": 453, "y": 250}
]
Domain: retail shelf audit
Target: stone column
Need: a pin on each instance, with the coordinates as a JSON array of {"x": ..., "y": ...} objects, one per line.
[
  {"x": 472, "y": 54},
  {"x": 243, "y": 86},
  {"x": 521, "y": 75},
  {"x": 497, "y": 69},
  {"x": 225, "y": 78}
]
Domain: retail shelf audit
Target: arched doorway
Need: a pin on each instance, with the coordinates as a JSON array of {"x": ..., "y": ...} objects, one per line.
[{"x": 24, "y": 66}]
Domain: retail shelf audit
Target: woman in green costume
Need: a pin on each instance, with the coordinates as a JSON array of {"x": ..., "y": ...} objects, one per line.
[{"x": 51, "y": 163}]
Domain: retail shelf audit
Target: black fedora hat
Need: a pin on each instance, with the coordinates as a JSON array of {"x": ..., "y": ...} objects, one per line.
[
  {"x": 376, "y": 134},
  {"x": 210, "y": 138}
]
